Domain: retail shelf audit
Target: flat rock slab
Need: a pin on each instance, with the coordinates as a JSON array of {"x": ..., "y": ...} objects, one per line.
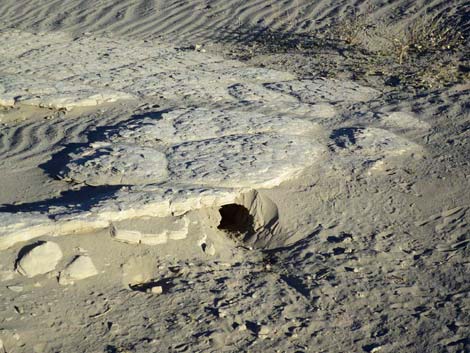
[
  {"x": 116, "y": 164},
  {"x": 126, "y": 203},
  {"x": 213, "y": 148},
  {"x": 150, "y": 231}
]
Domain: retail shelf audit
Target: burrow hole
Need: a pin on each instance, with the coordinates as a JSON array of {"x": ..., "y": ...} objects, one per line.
[{"x": 236, "y": 220}]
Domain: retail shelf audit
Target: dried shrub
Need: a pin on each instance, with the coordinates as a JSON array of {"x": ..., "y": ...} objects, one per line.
[
  {"x": 350, "y": 29},
  {"x": 424, "y": 35}
]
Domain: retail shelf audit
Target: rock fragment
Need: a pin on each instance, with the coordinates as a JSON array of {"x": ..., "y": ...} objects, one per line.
[
  {"x": 80, "y": 268},
  {"x": 210, "y": 250},
  {"x": 150, "y": 231},
  {"x": 40, "y": 259},
  {"x": 16, "y": 289},
  {"x": 156, "y": 290},
  {"x": 264, "y": 331}
]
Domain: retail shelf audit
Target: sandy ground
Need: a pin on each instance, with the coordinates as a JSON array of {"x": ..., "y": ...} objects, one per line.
[{"x": 203, "y": 176}]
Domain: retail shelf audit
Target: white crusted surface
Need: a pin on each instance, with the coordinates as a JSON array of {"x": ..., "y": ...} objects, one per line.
[
  {"x": 18, "y": 227},
  {"x": 115, "y": 164},
  {"x": 150, "y": 231},
  {"x": 372, "y": 142},
  {"x": 403, "y": 120},
  {"x": 159, "y": 201},
  {"x": 202, "y": 147},
  {"x": 27, "y": 90},
  {"x": 251, "y": 161},
  {"x": 92, "y": 70},
  {"x": 199, "y": 157},
  {"x": 360, "y": 148},
  {"x": 183, "y": 125},
  {"x": 325, "y": 90},
  {"x": 126, "y": 203}
]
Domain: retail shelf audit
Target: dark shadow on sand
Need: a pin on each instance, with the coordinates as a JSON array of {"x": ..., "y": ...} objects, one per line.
[{"x": 85, "y": 197}]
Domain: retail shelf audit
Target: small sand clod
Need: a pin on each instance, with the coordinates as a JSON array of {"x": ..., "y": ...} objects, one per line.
[{"x": 79, "y": 268}]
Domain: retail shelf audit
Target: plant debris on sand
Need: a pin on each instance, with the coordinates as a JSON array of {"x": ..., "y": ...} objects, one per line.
[{"x": 427, "y": 53}]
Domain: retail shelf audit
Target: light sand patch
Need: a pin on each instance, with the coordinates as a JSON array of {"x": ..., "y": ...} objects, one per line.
[{"x": 404, "y": 121}]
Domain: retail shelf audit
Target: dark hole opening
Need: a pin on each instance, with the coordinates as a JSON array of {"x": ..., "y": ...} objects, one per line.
[{"x": 236, "y": 219}]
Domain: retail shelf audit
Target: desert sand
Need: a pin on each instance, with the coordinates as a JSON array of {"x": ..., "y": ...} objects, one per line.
[{"x": 233, "y": 176}]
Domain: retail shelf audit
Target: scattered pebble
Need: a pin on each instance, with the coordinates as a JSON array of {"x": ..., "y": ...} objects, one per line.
[{"x": 40, "y": 259}]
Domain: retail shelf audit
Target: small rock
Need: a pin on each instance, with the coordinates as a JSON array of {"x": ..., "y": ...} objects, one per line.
[
  {"x": 210, "y": 250},
  {"x": 222, "y": 313},
  {"x": 16, "y": 289},
  {"x": 40, "y": 259},
  {"x": 156, "y": 290},
  {"x": 80, "y": 268},
  {"x": 263, "y": 331},
  {"x": 242, "y": 328},
  {"x": 7, "y": 101}
]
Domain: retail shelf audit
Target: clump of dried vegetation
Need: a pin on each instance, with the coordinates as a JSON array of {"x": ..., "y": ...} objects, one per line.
[
  {"x": 420, "y": 53},
  {"x": 426, "y": 52},
  {"x": 350, "y": 29},
  {"x": 425, "y": 34}
]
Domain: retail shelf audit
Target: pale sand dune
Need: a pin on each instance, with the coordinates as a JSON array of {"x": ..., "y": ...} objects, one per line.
[
  {"x": 157, "y": 198},
  {"x": 200, "y": 20}
]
